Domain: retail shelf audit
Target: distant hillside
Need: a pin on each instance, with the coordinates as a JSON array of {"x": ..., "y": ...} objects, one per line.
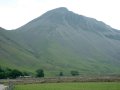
[{"x": 61, "y": 40}]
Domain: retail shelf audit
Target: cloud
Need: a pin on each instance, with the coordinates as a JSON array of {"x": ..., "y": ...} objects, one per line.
[{"x": 15, "y": 13}]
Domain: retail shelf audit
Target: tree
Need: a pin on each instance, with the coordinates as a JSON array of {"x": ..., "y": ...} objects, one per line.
[
  {"x": 61, "y": 74},
  {"x": 74, "y": 73},
  {"x": 2, "y": 73},
  {"x": 7, "y": 72},
  {"x": 25, "y": 73},
  {"x": 1, "y": 70},
  {"x": 40, "y": 73},
  {"x": 15, "y": 73},
  {"x": 10, "y": 73}
]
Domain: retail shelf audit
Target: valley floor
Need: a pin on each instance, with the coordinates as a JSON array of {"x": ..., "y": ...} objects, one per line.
[{"x": 71, "y": 86}]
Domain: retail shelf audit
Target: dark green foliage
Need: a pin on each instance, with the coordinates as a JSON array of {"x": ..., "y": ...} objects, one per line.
[
  {"x": 74, "y": 73},
  {"x": 2, "y": 73},
  {"x": 15, "y": 73},
  {"x": 40, "y": 73},
  {"x": 25, "y": 73},
  {"x": 61, "y": 74},
  {"x": 1, "y": 70},
  {"x": 9, "y": 73}
]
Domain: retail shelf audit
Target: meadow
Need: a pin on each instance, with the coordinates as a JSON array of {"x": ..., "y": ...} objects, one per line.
[{"x": 71, "y": 86}]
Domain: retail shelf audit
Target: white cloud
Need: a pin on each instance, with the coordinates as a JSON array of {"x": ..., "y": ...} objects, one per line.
[{"x": 15, "y": 13}]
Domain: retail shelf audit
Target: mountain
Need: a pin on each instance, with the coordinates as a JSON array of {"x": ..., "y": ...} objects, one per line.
[
  {"x": 61, "y": 40},
  {"x": 12, "y": 54}
]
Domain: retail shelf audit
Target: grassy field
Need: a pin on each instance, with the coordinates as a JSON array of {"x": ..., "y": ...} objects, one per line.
[{"x": 71, "y": 86}]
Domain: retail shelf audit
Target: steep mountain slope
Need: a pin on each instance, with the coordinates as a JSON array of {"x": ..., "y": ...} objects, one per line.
[
  {"x": 13, "y": 55},
  {"x": 61, "y": 40}
]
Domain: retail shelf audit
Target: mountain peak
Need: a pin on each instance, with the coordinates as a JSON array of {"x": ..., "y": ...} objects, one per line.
[{"x": 60, "y": 9}]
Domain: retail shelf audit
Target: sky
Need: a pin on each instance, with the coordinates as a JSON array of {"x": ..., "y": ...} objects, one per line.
[{"x": 15, "y": 13}]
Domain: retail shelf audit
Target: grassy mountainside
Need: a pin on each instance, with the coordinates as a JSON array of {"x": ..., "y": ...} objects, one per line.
[
  {"x": 61, "y": 40},
  {"x": 13, "y": 55}
]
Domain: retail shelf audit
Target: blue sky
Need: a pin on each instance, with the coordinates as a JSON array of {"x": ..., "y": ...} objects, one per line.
[{"x": 15, "y": 13}]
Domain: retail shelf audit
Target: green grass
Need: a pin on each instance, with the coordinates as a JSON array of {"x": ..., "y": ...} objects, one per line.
[
  {"x": 71, "y": 86},
  {"x": 54, "y": 55}
]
